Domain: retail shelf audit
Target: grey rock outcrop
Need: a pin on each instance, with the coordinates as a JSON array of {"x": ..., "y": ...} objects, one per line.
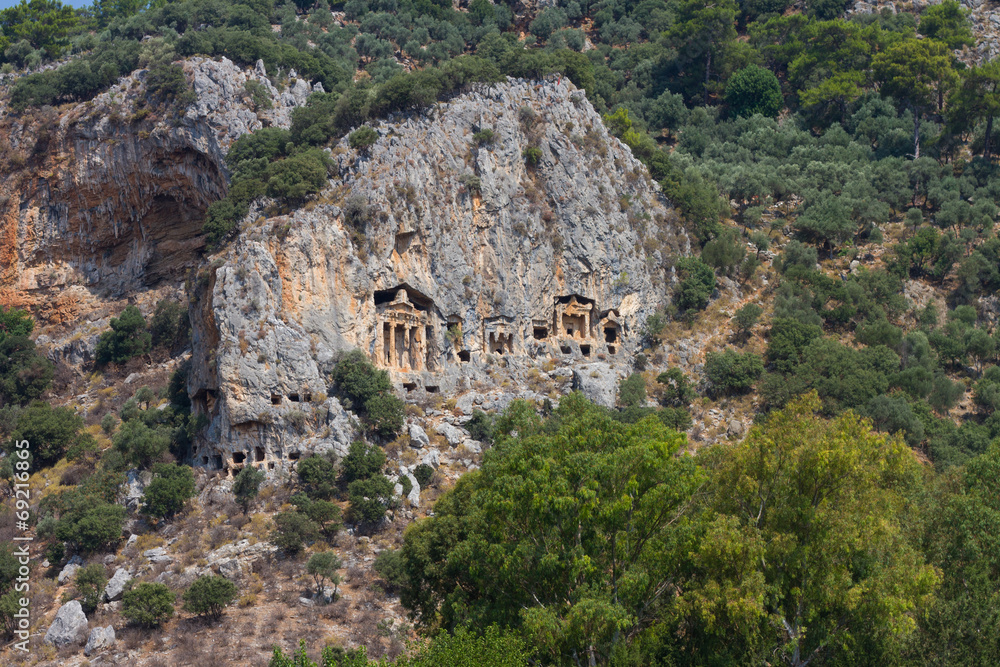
[
  {"x": 125, "y": 188},
  {"x": 116, "y": 585},
  {"x": 100, "y": 639},
  {"x": 69, "y": 570},
  {"x": 452, "y": 434},
  {"x": 69, "y": 626},
  {"x": 598, "y": 382},
  {"x": 418, "y": 437},
  {"x": 474, "y": 266}
]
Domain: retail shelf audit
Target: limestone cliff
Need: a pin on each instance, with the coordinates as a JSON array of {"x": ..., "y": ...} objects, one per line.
[
  {"x": 450, "y": 261},
  {"x": 109, "y": 195}
]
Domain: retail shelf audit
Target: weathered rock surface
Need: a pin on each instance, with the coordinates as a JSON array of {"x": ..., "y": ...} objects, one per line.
[
  {"x": 598, "y": 382},
  {"x": 100, "y": 639},
  {"x": 68, "y": 627},
  {"x": 69, "y": 570},
  {"x": 125, "y": 185},
  {"x": 473, "y": 266},
  {"x": 116, "y": 585}
]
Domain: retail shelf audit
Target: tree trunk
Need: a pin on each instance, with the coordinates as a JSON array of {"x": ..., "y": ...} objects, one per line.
[
  {"x": 916, "y": 134},
  {"x": 708, "y": 70},
  {"x": 989, "y": 131}
]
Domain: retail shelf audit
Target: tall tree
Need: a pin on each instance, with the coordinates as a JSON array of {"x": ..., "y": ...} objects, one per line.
[
  {"x": 808, "y": 556},
  {"x": 565, "y": 534},
  {"x": 916, "y": 72},
  {"x": 702, "y": 30},
  {"x": 977, "y": 99}
]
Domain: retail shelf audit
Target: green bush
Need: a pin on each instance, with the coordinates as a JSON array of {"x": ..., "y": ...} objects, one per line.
[
  {"x": 171, "y": 487},
  {"x": 745, "y": 319},
  {"x": 318, "y": 475},
  {"x": 362, "y": 139},
  {"x": 24, "y": 374},
  {"x": 128, "y": 338},
  {"x": 292, "y": 531},
  {"x": 480, "y": 426},
  {"x": 754, "y": 90},
  {"x": 731, "y": 372},
  {"x": 148, "y": 605},
  {"x": 369, "y": 500},
  {"x": 677, "y": 391},
  {"x": 362, "y": 461},
  {"x": 167, "y": 81},
  {"x": 484, "y": 137},
  {"x": 209, "y": 596},
  {"x": 632, "y": 391},
  {"x": 52, "y": 432},
  {"x": 532, "y": 155},
  {"x": 325, "y": 514},
  {"x": 90, "y": 582},
  {"x": 390, "y": 566},
  {"x": 423, "y": 473},
  {"x": 246, "y": 486},
  {"x": 697, "y": 282},
  {"x": 91, "y": 525},
  {"x": 368, "y": 391},
  {"x": 169, "y": 326},
  {"x": 140, "y": 444}
]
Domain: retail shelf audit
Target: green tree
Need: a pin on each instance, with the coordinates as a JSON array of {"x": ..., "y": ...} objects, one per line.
[
  {"x": 128, "y": 338},
  {"x": 45, "y": 24},
  {"x": 697, "y": 282},
  {"x": 621, "y": 488},
  {"x": 702, "y": 32},
  {"x": 148, "y": 604},
  {"x": 369, "y": 499},
  {"x": 362, "y": 139},
  {"x": 51, "y": 432},
  {"x": 731, "y": 372},
  {"x": 946, "y": 22},
  {"x": 90, "y": 524},
  {"x": 318, "y": 475},
  {"x": 918, "y": 73},
  {"x": 140, "y": 444},
  {"x": 171, "y": 487},
  {"x": 246, "y": 486},
  {"x": 745, "y": 319},
  {"x": 209, "y": 596},
  {"x": 90, "y": 582},
  {"x": 632, "y": 391},
  {"x": 15, "y": 322},
  {"x": 976, "y": 99},
  {"x": 292, "y": 530},
  {"x": 322, "y": 567},
  {"x": 169, "y": 326},
  {"x": 754, "y": 90},
  {"x": 808, "y": 556},
  {"x": 362, "y": 461}
]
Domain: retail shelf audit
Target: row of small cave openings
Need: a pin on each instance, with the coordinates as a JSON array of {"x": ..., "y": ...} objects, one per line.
[
  {"x": 407, "y": 335},
  {"x": 240, "y": 460}
]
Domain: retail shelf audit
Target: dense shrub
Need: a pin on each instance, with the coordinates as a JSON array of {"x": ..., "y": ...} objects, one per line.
[
  {"x": 697, "y": 282},
  {"x": 423, "y": 473},
  {"x": 148, "y": 604},
  {"x": 480, "y": 426},
  {"x": 128, "y": 338},
  {"x": 632, "y": 391},
  {"x": 292, "y": 531},
  {"x": 731, "y": 372},
  {"x": 209, "y": 596},
  {"x": 370, "y": 498},
  {"x": 362, "y": 138},
  {"x": 52, "y": 433},
  {"x": 171, "y": 487},
  {"x": 318, "y": 475},
  {"x": 24, "y": 374},
  {"x": 169, "y": 326},
  {"x": 754, "y": 90},
  {"x": 90, "y": 582},
  {"x": 368, "y": 391},
  {"x": 90, "y": 524},
  {"x": 141, "y": 445}
]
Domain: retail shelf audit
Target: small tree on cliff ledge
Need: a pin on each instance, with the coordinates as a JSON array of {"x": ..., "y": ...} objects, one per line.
[
  {"x": 368, "y": 392},
  {"x": 128, "y": 338}
]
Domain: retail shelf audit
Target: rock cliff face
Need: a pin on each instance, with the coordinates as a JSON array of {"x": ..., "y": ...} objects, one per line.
[
  {"x": 109, "y": 195},
  {"x": 449, "y": 258}
]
